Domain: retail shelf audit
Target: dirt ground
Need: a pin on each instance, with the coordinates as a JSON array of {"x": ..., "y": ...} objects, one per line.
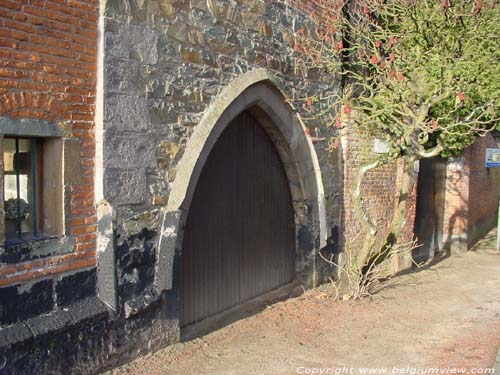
[{"x": 445, "y": 316}]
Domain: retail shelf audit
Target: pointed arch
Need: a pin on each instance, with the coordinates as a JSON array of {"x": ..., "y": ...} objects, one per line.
[{"x": 257, "y": 92}]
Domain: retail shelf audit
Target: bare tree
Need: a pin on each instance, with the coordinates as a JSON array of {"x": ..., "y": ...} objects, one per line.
[{"x": 423, "y": 74}]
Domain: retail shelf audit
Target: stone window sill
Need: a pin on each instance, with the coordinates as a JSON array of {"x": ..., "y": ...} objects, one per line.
[{"x": 41, "y": 246}]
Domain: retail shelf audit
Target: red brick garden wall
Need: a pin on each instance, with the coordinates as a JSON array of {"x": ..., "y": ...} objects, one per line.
[
  {"x": 483, "y": 190},
  {"x": 380, "y": 192}
]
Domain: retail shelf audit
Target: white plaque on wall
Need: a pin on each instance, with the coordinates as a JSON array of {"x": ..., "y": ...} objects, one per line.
[{"x": 380, "y": 146}]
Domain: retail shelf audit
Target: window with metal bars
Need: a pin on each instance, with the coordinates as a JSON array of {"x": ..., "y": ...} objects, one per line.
[{"x": 22, "y": 188}]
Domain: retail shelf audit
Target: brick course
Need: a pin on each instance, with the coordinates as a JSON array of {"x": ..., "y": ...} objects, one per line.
[
  {"x": 380, "y": 192},
  {"x": 48, "y": 72},
  {"x": 483, "y": 190}
]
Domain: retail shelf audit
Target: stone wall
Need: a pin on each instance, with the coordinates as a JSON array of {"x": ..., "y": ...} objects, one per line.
[{"x": 166, "y": 63}]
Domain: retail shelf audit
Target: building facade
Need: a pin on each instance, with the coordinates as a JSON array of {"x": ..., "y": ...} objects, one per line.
[{"x": 155, "y": 151}]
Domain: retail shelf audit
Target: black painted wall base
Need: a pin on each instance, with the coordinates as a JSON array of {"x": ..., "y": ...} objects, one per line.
[{"x": 81, "y": 335}]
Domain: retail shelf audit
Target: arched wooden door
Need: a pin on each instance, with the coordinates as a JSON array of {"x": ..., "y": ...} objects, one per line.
[{"x": 239, "y": 235}]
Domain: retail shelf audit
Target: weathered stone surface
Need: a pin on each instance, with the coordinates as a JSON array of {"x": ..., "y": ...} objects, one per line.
[
  {"x": 50, "y": 344},
  {"x": 72, "y": 162},
  {"x": 224, "y": 47},
  {"x": 22, "y": 302},
  {"x": 131, "y": 151},
  {"x": 178, "y": 31},
  {"x": 125, "y": 186},
  {"x": 123, "y": 76},
  {"x": 14, "y": 334},
  {"x": 136, "y": 224},
  {"x": 167, "y": 152},
  {"x": 252, "y": 20},
  {"x": 32, "y": 250},
  {"x": 126, "y": 9},
  {"x": 199, "y": 4},
  {"x": 136, "y": 258},
  {"x": 167, "y": 246},
  {"x": 128, "y": 41},
  {"x": 167, "y": 8},
  {"x": 106, "y": 277},
  {"x": 126, "y": 113},
  {"x": 215, "y": 7},
  {"x": 28, "y": 128},
  {"x": 260, "y": 6},
  {"x": 189, "y": 55},
  {"x": 75, "y": 287},
  {"x": 196, "y": 36}
]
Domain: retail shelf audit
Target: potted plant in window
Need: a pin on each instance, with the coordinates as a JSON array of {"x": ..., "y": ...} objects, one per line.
[{"x": 16, "y": 210}]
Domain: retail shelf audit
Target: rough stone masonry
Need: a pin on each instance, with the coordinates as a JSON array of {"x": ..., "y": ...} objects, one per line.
[
  {"x": 166, "y": 64},
  {"x": 167, "y": 73},
  {"x": 137, "y": 91}
]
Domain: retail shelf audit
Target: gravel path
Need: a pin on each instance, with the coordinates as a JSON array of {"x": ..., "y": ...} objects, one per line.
[{"x": 445, "y": 316}]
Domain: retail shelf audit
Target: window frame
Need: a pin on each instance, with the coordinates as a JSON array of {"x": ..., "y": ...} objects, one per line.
[
  {"x": 53, "y": 231},
  {"x": 36, "y": 168}
]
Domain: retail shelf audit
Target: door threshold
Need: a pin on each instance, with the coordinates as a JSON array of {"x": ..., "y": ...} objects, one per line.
[{"x": 240, "y": 311}]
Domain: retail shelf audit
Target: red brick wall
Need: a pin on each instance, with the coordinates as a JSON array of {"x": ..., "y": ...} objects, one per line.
[
  {"x": 379, "y": 185},
  {"x": 380, "y": 191},
  {"x": 471, "y": 196},
  {"x": 48, "y": 72},
  {"x": 483, "y": 190},
  {"x": 317, "y": 9}
]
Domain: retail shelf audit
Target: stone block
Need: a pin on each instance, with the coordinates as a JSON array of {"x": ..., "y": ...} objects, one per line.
[
  {"x": 252, "y": 21},
  {"x": 167, "y": 9},
  {"x": 127, "y": 41},
  {"x": 166, "y": 249},
  {"x": 196, "y": 36},
  {"x": 136, "y": 257},
  {"x": 72, "y": 171},
  {"x": 74, "y": 287},
  {"x": 122, "y": 75},
  {"x": 126, "y": 113},
  {"x": 19, "y": 303},
  {"x": 130, "y": 151},
  {"x": 199, "y": 4},
  {"x": 190, "y": 55},
  {"x": 106, "y": 277},
  {"x": 126, "y": 9},
  {"x": 178, "y": 31},
  {"x": 125, "y": 186}
]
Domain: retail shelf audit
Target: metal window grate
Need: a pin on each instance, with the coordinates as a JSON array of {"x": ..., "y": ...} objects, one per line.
[{"x": 21, "y": 201}]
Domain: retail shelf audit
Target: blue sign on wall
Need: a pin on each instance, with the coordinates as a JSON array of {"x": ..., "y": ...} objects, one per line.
[{"x": 492, "y": 158}]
